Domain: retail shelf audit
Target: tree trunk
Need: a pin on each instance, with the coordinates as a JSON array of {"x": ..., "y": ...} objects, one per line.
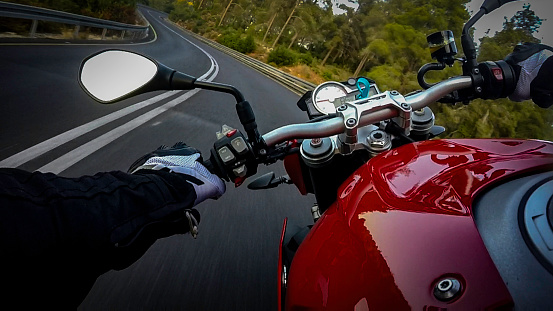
[
  {"x": 285, "y": 24},
  {"x": 338, "y": 54},
  {"x": 293, "y": 39},
  {"x": 327, "y": 55},
  {"x": 269, "y": 27},
  {"x": 225, "y": 13},
  {"x": 361, "y": 65}
]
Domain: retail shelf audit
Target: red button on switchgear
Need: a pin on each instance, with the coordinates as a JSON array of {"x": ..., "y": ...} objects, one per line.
[
  {"x": 230, "y": 133},
  {"x": 498, "y": 73}
]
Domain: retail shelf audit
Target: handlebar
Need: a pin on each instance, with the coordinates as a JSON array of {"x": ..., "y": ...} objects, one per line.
[{"x": 336, "y": 125}]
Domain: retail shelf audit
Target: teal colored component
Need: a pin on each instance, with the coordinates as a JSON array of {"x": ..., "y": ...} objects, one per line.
[{"x": 363, "y": 86}]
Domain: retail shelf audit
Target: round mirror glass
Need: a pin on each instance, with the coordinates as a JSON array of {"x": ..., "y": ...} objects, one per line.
[{"x": 113, "y": 74}]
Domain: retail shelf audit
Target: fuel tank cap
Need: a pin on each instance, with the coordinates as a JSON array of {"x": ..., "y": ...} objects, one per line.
[{"x": 537, "y": 223}]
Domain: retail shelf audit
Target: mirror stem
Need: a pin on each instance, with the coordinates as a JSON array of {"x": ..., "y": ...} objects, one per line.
[
  {"x": 181, "y": 81},
  {"x": 220, "y": 88},
  {"x": 468, "y": 43},
  {"x": 243, "y": 109}
]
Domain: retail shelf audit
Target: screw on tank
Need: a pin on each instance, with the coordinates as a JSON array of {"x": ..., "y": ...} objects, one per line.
[{"x": 447, "y": 289}]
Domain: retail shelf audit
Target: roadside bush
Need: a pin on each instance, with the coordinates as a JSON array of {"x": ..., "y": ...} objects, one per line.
[
  {"x": 282, "y": 56},
  {"x": 247, "y": 45},
  {"x": 305, "y": 58},
  {"x": 327, "y": 75},
  {"x": 236, "y": 41},
  {"x": 183, "y": 11}
]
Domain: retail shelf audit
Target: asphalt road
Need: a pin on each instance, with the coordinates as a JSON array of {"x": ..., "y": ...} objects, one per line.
[{"x": 48, "y": 123}]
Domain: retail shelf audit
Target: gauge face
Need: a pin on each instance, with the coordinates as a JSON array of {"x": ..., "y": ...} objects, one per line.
[{"x": 324, "y": 97}]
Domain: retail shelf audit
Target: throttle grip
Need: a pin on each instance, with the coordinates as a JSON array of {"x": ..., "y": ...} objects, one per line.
[
  {"x": 499, "y": 79},
  {"x": 213, "y": 168}
]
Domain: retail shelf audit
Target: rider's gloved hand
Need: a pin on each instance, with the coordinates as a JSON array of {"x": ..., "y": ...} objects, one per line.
[
  {"x": 183, "y": 160},
  {"x": 188, "y": 182},
  {"x": 533, "y": 66}
]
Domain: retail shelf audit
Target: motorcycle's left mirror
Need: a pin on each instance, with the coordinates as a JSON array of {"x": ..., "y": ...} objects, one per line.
[{"x": 113, "y": 75}]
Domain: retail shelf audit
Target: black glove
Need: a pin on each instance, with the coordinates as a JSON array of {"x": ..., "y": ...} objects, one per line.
[
  {"x": 534, "y": 70},
  {"x": 184, "y": 160}
]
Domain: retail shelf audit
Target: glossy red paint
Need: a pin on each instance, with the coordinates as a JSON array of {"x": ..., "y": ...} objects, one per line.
[
  {"x": 293, "y": 168},
  {"x": 402, "y": 222}
]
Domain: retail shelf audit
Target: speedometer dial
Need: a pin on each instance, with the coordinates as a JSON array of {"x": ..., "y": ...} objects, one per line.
[{"x": 325, "y": 97}]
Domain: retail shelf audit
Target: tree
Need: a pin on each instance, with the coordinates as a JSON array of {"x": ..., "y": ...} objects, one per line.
[
  {"x": 331, "y": 45},
  {"x": 162, "y": 5},
  {"x": 378, "y": 50},
  {"x": 286, "y": 23},
  {"x": 527, "y": 20},
  {"x": 225, "y": 12},
  {"x": 183, "y": 10},
  {"x": 518, "y": 29}
]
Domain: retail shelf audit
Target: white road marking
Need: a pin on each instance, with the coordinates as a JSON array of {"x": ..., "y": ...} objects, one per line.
[
  {"x": 67, "y": 160},
  {"x": 56, "y": 141},
  {"x": 64, "y": 162}
]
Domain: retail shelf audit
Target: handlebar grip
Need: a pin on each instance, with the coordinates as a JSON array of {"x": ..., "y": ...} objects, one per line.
[
  {"x": 499, "y": 79},
  {"x": 212, "y": 167}
]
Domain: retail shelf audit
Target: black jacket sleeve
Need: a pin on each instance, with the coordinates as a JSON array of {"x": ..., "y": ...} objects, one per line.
[{"x": 57, "y": 235}]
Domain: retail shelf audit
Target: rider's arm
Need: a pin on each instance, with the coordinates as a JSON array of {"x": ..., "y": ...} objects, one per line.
[{"x": 57, "y": 235}]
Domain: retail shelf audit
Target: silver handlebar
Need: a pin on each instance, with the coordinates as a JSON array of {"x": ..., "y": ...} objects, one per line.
[
  {"x": 336, "y": 125},
  {"x": 433, "y": 94}
]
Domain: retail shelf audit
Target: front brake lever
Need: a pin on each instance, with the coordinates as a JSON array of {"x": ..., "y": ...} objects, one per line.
[{"x": 268, "y": 181}]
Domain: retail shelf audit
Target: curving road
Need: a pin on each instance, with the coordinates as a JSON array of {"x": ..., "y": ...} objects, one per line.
[{"x": 49, "y": 124}]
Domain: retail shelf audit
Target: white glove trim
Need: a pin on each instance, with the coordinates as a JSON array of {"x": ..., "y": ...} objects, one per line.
[
  {"x": 529, "y": 69},
  {"x": 212, "y": 187}
]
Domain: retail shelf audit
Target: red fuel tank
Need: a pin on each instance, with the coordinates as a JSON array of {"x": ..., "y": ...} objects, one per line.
[{"x": 402, "y": 223}]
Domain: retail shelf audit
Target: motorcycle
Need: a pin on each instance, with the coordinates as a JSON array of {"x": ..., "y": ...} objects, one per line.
[{"x": 402, "y": 220}]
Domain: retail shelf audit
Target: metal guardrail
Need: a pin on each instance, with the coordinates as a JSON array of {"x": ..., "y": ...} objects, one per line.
[
  {"x": 293, "y": 83},
  {"x": 36, "y": 14}
]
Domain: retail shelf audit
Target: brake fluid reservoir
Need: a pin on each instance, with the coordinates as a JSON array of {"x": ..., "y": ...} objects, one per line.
[{"x": 317, "y": 151}]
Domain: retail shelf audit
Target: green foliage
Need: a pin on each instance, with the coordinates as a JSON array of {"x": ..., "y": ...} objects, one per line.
[
  {"x": 236, "y": 41},
  {"x": 305, "y": 58},
  {"x": 498, "y": 118},
  {"x": 327, "y": 75},
  {"x": 282, "y": 56},
  {"x": 503, "y": 42},
  {"x": 162, "y": 5},
  {"x": 183, "y": 11},
  {"x": 407, "y": 45},
  {"x": 517, "y": 30}
]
